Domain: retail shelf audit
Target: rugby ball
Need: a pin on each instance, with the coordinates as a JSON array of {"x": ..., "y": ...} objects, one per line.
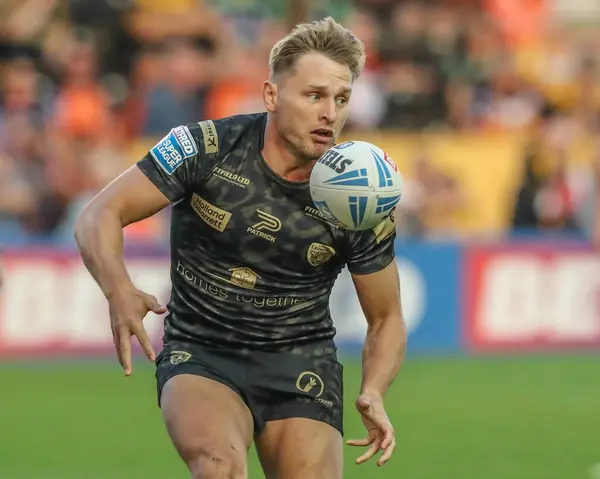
[{"x": 355, "y": 185}]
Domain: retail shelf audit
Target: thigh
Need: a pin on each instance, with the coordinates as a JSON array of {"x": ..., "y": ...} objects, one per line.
[
  {"x": 300, "y": 448},
  {"x": 208, "y": 422},
  {"x": 298, "y": 399}
]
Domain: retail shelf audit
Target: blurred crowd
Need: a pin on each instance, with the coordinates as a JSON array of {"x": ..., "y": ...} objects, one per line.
[{"x": 83, "y": 81}]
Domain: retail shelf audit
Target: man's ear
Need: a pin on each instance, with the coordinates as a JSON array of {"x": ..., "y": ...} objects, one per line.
[{"x": 269, "y": 92}]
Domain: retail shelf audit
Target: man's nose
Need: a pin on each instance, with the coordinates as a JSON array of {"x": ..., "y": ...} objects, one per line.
[{"x": 329, "y": 111}]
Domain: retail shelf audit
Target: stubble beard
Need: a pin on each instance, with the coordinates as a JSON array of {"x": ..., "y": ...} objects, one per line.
[{"x": 303, "y": 153}]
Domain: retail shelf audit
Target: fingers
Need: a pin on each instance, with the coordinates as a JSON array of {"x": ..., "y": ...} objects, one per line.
[
  {"x": 145, "y": 342},
  {"x": 370, "y": 452},
  {"x": 154, "y": 306},
  {"x": 388, "y": 437},
  {"x": 360, "y": 442},
  {"x": 387, "y": 452},
  {"x": 387, "y": 444},
  {"x": 124, "y": 350}
]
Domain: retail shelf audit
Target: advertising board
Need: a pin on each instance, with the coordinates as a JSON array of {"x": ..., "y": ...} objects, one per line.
[
  {"x": 49, "y": 304},
  {"x": 531, "y": 297}
]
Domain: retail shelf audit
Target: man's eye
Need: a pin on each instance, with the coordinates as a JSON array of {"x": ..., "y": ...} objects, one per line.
[
  {"x": 341, "y": 100},
  {"x": 314, "y": 96}
]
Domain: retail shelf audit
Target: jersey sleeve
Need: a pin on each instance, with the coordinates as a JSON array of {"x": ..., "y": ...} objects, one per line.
[
  {"x": 372, "y": 250},
  {"x": 183, "y": 158}
]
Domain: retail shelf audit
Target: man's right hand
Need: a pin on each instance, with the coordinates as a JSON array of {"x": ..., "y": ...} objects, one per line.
[{"x": 127, "y": 311}]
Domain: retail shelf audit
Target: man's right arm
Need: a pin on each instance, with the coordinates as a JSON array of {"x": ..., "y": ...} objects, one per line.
[
  {"x": 129, "y": 198},
  {"x": 167, "y": 173}
]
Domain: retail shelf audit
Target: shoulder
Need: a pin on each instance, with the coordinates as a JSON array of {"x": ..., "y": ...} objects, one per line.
[{"x": 212, "y": 137}]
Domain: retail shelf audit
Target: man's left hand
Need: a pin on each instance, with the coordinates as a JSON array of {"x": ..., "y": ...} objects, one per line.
[{"x": 381, "y": 433}]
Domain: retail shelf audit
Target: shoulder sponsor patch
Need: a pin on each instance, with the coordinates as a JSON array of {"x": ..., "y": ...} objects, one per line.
[
  {"x": 173, "y": 149},
  {"x": 211, "y": 138}
]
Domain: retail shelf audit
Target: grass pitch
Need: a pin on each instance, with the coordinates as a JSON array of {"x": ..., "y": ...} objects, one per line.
[{"x": 456, "y": 418}]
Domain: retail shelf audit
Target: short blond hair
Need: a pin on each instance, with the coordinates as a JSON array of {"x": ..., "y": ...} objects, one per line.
[{"x": 325, "y": 36}]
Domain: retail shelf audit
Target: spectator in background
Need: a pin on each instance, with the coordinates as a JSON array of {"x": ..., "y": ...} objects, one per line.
[
  {"x": 90, "y": 79},
  {"x": 367, "y": 88},
  {"x": 177, "y": 95},
  {"x": 25, "y": 198},
  {"x": 554, "y": 202},
  {"x": 549, "y": 196},
  {"x": 103, "y": 20},
  {"x": 84, "y": 152},
  {"x": 24, "y": 24},
  {"x": 410, "y": 76},
  {"x": 524, "y": 215},
  {"x": 432, "y": 203},
  {"x": 240, "y": 71},
  {"x": 511, "y": 104},
  {"x": 154, "y": 22}
]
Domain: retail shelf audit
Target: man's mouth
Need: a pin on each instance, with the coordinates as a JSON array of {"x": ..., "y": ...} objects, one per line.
[{"x": 322, "y": 135}]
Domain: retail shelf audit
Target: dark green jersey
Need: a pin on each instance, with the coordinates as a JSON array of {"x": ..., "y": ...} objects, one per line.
[{"x": 253, "y": 261}]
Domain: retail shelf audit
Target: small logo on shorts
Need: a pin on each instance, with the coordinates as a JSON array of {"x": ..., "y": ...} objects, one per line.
[
  {"x": 179, "y": 357},
  {"x": 319, "y": 253},
  {"x": 310, "y": 383}
]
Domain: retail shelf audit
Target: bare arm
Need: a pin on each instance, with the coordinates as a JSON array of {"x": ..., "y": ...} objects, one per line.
[
  {"x": 383, "y": 353},
  {"x": 385, "y": 344},
  {"x": 99, "y": 229}
]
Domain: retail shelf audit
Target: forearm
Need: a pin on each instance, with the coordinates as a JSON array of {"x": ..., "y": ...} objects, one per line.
[
  {"x": 99, "y": 236},
  {"x": 383, "y": 354}
]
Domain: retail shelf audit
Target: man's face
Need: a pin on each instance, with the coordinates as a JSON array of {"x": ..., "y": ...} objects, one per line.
[{"x": 311, "y": 105}]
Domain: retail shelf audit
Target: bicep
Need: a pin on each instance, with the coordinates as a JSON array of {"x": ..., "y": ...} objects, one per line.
[
  {"x": 132, "y": 196},
  {"x": 379, "y": 293}
]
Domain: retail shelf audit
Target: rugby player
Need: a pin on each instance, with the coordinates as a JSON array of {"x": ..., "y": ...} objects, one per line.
[{"x": 248, "y": 351}]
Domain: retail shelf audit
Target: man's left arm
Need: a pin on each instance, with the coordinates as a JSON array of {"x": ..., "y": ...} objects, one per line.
[
  {"x": 371, "y": 262},
  {"x": 385, "y": 343}
]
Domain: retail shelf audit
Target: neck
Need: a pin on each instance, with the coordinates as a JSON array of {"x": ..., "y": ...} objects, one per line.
[{"x": 281, "y": 159}]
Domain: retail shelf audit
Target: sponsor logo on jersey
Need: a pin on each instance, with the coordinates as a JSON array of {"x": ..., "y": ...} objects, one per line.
[
  {"x": 327, "y": 214},
  {"x": 336, "y": 161},
  {"x": 267, "y": 222},
  {"x": 319, "y": 253},
  {"x": 385, "y": 229},
  {"x": 315, "y": 213},
  {"x": 177, "y": 357},
  {"x": 230, "y": 177},
  {"x": 173, "y": 149},
  {"x": 211, "y": 138},
  {"x": 244, "y": 277},
  {"x": 185, "y": 140},
  {"x": 239, "y": 275},
  {"x": 212, "y": 215}
]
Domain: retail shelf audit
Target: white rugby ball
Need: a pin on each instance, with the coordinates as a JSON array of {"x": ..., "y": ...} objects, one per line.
[{"x": 355, "y": 185}]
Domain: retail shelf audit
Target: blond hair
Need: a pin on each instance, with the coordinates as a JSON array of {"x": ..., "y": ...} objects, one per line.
[{"x": 325, "y": 36}]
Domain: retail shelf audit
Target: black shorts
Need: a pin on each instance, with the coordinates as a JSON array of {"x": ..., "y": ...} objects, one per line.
[{"x": 303, "y": 382}]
